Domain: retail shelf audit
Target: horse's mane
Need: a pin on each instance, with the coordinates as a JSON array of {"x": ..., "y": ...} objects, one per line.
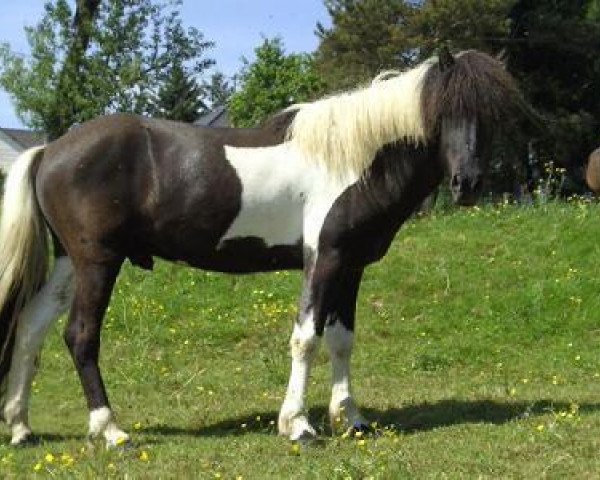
[{"x": 344, "y": 132}]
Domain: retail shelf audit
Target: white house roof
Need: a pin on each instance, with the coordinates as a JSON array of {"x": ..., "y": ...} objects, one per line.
[{"x": 23, "y": 138}]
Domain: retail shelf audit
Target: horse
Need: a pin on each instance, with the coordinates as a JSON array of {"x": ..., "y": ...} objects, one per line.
[
  {"x": 327, "y": 197},
  {"x": 592, "y": 172}
]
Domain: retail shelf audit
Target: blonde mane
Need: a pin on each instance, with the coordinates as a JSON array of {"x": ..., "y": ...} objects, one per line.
[{"x": 345, "y": 131}]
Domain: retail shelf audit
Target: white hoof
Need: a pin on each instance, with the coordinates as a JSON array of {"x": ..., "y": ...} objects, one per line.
[
  {"x": 296, "y": 427},
  {"x": 102, "y": 423},
  {"x": 21, "y": 434}
]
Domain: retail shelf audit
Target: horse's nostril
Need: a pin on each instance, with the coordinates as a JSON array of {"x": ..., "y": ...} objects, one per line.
[{"x": 455, "y": 183}]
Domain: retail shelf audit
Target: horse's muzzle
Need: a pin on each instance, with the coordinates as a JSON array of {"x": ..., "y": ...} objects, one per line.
[{"x": 466, "y": 188}]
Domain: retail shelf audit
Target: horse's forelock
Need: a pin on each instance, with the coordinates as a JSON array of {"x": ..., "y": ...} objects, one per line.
[{"x": 476, "y": 86}]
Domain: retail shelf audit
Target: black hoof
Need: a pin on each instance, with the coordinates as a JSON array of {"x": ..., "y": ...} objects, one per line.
[
  {"x": 360, "y": 429},
  {"x": 125, "y": 446}
]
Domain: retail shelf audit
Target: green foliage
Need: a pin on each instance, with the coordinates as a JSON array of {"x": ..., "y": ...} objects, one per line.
[
  {"x": 366, "y": 36},
  {"x": 130, "y": 44},
  {"x": 552, "y": 51},
  {"x": 271, "y": 83},
  {"x": 462, "y": 24},
  {"x": 476, "y": 346},
  {"x": 218, "y": 90},
  {"x": 179, "y": 97},
  {"x": 593, "y": 11}
]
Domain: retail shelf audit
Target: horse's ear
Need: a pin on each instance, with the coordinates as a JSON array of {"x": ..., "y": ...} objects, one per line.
[
  {"x": 502, "y": 57},
  {"x": 445, "y": 59}
]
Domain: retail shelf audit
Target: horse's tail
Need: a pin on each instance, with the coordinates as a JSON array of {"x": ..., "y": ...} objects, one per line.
[{"x": 23, "y": 251}]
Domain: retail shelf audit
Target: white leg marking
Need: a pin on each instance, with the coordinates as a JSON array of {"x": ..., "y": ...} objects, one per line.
[
  {"x": 102, "y": 422},
  {"x": 343, "y": 411},
  {"x": 48, "y": 304},
  {"x": 292, "y": 417}
]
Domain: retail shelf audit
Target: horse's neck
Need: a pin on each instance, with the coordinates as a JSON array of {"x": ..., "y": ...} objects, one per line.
[{"x": 401, "y": 177}]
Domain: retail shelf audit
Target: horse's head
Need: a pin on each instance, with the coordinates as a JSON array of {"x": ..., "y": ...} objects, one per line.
[
  {"x": 461, "y": 139},
  {"x": 466, "y": 99},
  {"x": 461, "y": 150}
]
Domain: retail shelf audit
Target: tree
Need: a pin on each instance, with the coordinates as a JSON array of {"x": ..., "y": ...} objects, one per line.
[
  {"x": 179, "y": 97},
  {"x": 366, "y": 37},
  {"x": 461, "y": 24},
  {"x": 271, "y": 83},
  {"x": 552, "y": 49},
  {"x": 218, "y": 91},
  {"x": 104, "y": 57}
]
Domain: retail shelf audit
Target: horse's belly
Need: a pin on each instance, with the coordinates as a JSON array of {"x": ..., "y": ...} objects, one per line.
[{"x": 276, "y": 222}]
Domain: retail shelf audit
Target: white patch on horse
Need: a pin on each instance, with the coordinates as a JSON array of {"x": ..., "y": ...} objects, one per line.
[
  {"x": 342, "y": 408},
  {"x": 304, "y": 344},
  {"x": 36, "y": 318},
  {"x": 284, "y": 197}
]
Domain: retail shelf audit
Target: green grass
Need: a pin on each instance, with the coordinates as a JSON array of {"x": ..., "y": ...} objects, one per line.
[{"x": 477, "y": 351}]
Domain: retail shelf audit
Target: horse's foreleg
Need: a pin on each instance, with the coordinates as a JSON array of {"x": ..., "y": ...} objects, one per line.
[
  {"x": 329, "y": 294},
  {"x": 339, "y": 337},
  {"x": 48, "y": 304},
  {"x": 304, "y": 344},
  {"x": 94, "y": 283}
]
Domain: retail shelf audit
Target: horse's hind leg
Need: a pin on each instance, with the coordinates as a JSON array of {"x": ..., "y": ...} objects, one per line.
[
  {"x": 94, "y": 283},
  {"x": 36, "y": 318}
]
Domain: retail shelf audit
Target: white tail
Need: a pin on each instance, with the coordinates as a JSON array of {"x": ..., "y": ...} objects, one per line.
[{"x": 23, "y": 249}]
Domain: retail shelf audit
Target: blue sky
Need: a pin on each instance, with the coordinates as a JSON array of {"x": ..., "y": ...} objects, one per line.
[{"x": 236, "y": 26}]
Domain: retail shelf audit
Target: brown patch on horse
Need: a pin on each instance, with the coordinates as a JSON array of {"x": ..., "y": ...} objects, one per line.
[
  {"x": 473, "y": 85},
  {"x": 592, "y": 172}
]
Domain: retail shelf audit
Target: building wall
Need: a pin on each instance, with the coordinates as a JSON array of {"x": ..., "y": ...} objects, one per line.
[{"x": 9, "y": 151}]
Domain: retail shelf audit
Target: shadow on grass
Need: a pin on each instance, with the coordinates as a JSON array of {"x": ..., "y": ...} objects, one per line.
[
  {"x": 409, "y": 419},
  {"x": 41, "y": 438}
]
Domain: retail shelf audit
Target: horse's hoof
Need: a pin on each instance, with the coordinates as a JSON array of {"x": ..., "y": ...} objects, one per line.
[
  {"x": 28, "y": 440},
  {"x": 122, "y": 444},
  {"x": 305, "y": 437},
  {"x": 360, "y": 429}
]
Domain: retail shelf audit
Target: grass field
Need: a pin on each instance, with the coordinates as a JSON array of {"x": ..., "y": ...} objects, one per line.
[{"x": 478, "y": 342}]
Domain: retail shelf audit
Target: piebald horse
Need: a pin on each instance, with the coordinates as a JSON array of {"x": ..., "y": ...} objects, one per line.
[{"x": 326, "y": 197}]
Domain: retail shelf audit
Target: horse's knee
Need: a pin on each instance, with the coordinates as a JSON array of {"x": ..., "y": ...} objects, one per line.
[
  {"x": 70, "y": 336},
  {"x": 304, "y": 348},
  {"x": 13, "y": 411},
  {"x": 340, "y": 341},
  {"x": 80, "y": 343}
]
